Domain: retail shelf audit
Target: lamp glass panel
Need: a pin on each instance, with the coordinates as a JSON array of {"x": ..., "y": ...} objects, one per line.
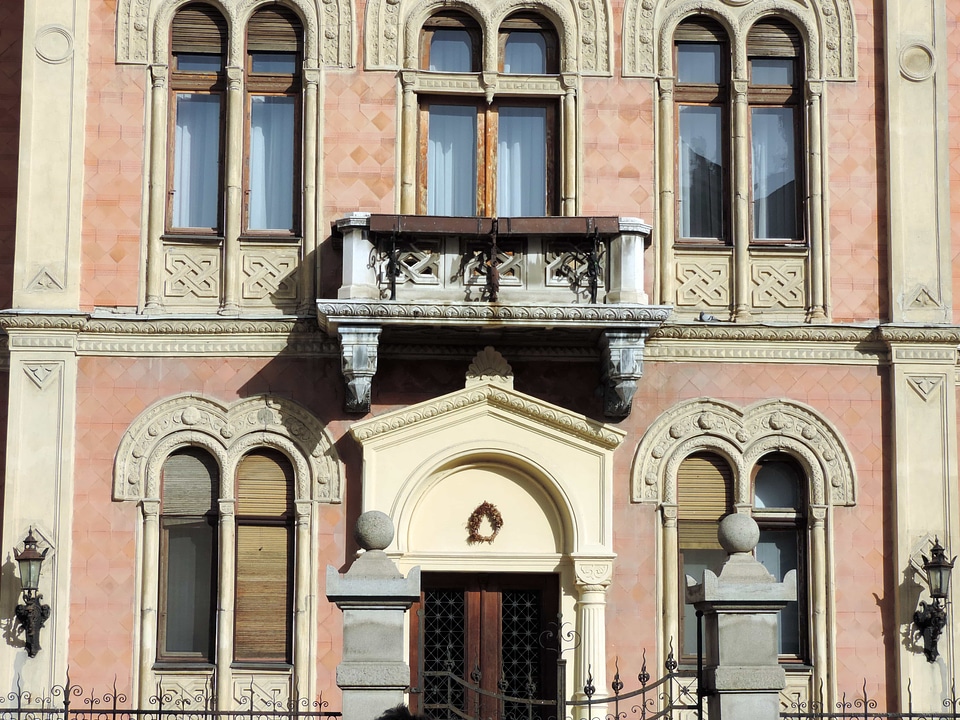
[
  {"x": 939, "y": 581},
  {"x": 30, "y": 574}
]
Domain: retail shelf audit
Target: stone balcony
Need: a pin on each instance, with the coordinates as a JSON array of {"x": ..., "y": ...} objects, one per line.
[{"x": 578, "y": 278}]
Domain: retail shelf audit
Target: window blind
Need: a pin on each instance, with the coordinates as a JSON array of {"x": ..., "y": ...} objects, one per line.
[
  {"x": 699, "y": 29},
  {"x": 264, "y": 593},
  {"x": 704, "y": 495},
  {"x": 265, "y": 485},
  {"x": 190, "y": 483},
  {"x": 198, "y": 28},
  {"x": 276, "y": 29},
  {"x": 774, "y": 37}
]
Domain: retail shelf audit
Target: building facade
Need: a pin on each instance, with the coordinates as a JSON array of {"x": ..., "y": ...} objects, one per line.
[{"x": 556, "y": 285}]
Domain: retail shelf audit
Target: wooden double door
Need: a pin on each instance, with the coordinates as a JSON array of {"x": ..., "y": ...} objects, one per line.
[{"x": 487, "y": 631}]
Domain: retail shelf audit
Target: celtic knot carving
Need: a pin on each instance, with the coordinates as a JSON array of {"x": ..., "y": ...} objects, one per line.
[
  {"x": 779, "y": 284},
  {"x": 270, "y": 275},
  {"x": 703, "y": 282},
  {"x": 227, "y": 432},
  {"x": 743, "y": 437}
]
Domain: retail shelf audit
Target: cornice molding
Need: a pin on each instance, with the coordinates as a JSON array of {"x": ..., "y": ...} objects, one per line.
[
  {"x": 357, "y": 312},
  {"x": 767, "y": 333},
  {"x": 497, "y": 396}
]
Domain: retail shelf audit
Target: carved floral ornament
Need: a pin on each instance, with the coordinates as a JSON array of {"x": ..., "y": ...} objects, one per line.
[
  {"x": 743, "y": 436},
  {"x": 142, "y": 27},
  {"x": 827, "y": 26},
  {"x": 227, "y": 432}
]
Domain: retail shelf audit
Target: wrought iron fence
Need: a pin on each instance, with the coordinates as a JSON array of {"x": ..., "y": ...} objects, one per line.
[
  {"x": 72, "y": 702},
  {"x": 862, "y": 706}
]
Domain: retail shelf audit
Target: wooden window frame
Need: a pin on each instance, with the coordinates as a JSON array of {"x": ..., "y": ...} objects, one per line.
[
  {"x": 451, "y": 21},
  {"x": 780, "y": 96},
  {"x": 198, "y": 83},
  {"x": 779, "y": 519},
  {"x": 487, "y": 141},
  {"x": 705, "y": 95}
]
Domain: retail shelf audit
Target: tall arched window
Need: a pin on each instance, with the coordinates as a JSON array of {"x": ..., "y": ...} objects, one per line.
[{"x": 704, "y": 497}]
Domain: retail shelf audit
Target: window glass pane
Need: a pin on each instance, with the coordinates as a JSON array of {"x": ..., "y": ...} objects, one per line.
[
  {"x": 698, "y": 63},
  {"x": 196, "y": 161},
  {"x": 778, "y": 552},
  {"x": 451, "y": 50},
  {"x": 278, "y": 63},
  {"x": 700, "y": 169},
  {"x": 771, "y": 71},
  {"x": 189, "y": 587},
  {"x": 694, "y": 563},
  {"x": 452, "y": 160},
  {"x": 525, "y": 53},
  {"x": 271, "y": 162},
  {"x": 776, "y": 486},
  {"x": 522, "y": 162},
  {"x": 774, "y": 173},
  {"x": 199, "y": 62}
]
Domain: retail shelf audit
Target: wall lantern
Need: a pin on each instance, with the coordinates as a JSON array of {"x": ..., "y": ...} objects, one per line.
[
  {"x": 931, "y": 618},
  {"x": 31, "y": 614}
]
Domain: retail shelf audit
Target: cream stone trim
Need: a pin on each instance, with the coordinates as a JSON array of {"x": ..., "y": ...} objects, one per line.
[
  {"x": 392, "y": 30},
  {"x": 142, "y": 27},
  {"x": 228, "y": 432},
  {"x": 828, "y": 26},
  {"x": 742, "y": 437}
]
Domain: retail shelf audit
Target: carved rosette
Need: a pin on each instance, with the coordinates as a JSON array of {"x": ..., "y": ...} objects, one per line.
[
  {"x": 743, "y": 436},
  {"x": 227, "y": 432}
]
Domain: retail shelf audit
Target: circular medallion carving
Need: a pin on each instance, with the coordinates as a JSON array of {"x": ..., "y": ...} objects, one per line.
[
  {"x": 53, "y": 44},
  {"x": 917, "y": 62}
]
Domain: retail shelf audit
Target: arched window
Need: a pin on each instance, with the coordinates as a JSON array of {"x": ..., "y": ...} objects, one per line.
[
  {"x": 188, "y": 556},
  {"x": 779, "y": 509},
  {"x": 478, "y": 156},
  {"x": 704, "y": 497}
]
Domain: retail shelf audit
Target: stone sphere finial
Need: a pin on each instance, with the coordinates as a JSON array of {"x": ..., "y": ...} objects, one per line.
[
  {"x": 738, "y": 533},
  {"x": 374, "y": 530}
]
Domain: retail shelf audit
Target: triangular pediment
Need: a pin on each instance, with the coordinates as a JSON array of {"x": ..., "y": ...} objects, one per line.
[{"x": 488, "y": 399}]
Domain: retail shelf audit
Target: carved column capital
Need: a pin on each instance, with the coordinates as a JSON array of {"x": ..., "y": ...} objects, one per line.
[
  {"x": 358, "y": 354},
  {"x": 158, "y": 74},
  {"x": 593, "y": 575},
  {"x": 622, "y": 358}
]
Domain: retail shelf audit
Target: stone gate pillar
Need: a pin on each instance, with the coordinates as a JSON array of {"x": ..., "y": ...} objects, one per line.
[
  {"x": 374, "y": 597},
  {"x": 742, "y": 676}
]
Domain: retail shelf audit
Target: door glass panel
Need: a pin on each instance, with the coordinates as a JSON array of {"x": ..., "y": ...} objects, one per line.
[
  {"x": 452, "y": 160},
  {"x": 520, "y": 649},
  {"x": 444, "y": 635}
]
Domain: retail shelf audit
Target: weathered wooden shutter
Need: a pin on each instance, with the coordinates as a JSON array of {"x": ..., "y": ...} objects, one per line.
[
  {"x": 704, "y": 495},
  {"x": 198, "y": 28},
  {"x": 276, "y": 29},
  {"x": 264, "y": 601},
  {"x": 190, "y": 483},
  {"x": 699, "y": 28},
  {"x": 774, "y": 37}
]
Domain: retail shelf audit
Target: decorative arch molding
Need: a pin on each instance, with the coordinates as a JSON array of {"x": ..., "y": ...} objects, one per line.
[
  {"x": 392, "y": 29},
  {"x": 143, "y": 27},
  {"x": 827, "y": 26},
  {"x": 743, "y": 436},
  {"x": 228, "y": 432}
]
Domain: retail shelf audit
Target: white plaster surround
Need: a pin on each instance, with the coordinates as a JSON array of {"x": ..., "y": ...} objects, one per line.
[{"x": 547, "y": 470}]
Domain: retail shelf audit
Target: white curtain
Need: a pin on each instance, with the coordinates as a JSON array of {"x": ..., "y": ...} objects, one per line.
[
  {"x": 451, "y": 51},
  {"x": 522, "y": 162},
  {"x": 271, "y": 162},
  {"x": 452, "y": 160},
  {"x": 196, "y": 161},
  {"x": 525, "y": 53},
  {"x": 700, "y": 168},
  {"x": 774, "y": 173}
]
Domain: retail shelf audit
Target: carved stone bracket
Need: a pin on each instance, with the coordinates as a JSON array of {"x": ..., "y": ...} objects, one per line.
[
  {"x": 358, "y": 353},
  {"x": 622, "y": 357}
]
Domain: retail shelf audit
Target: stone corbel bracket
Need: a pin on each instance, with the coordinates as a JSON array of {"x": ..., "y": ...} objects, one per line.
[
  {"x": 622, "y": 358},
  {"x": 358, "y": 354}
]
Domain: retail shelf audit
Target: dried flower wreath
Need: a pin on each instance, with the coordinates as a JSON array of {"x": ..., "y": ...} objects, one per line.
[{"x": 484, "y": 510}]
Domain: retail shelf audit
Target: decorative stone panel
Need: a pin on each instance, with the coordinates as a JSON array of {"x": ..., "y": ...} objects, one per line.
[
  {"x": 191, "y": 275},
  {"x": 270, "y": 276},
  {"x": 703, "y": 281},
  {"x": 778, "y": 283}
]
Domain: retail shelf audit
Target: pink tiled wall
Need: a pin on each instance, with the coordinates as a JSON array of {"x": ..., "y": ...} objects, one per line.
[
  {"x": 113, "y": 169},
  {"x": 111, "y": 393},
  {"x": 11, "y": 20},
  {"x": 856, "y": 164}
]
